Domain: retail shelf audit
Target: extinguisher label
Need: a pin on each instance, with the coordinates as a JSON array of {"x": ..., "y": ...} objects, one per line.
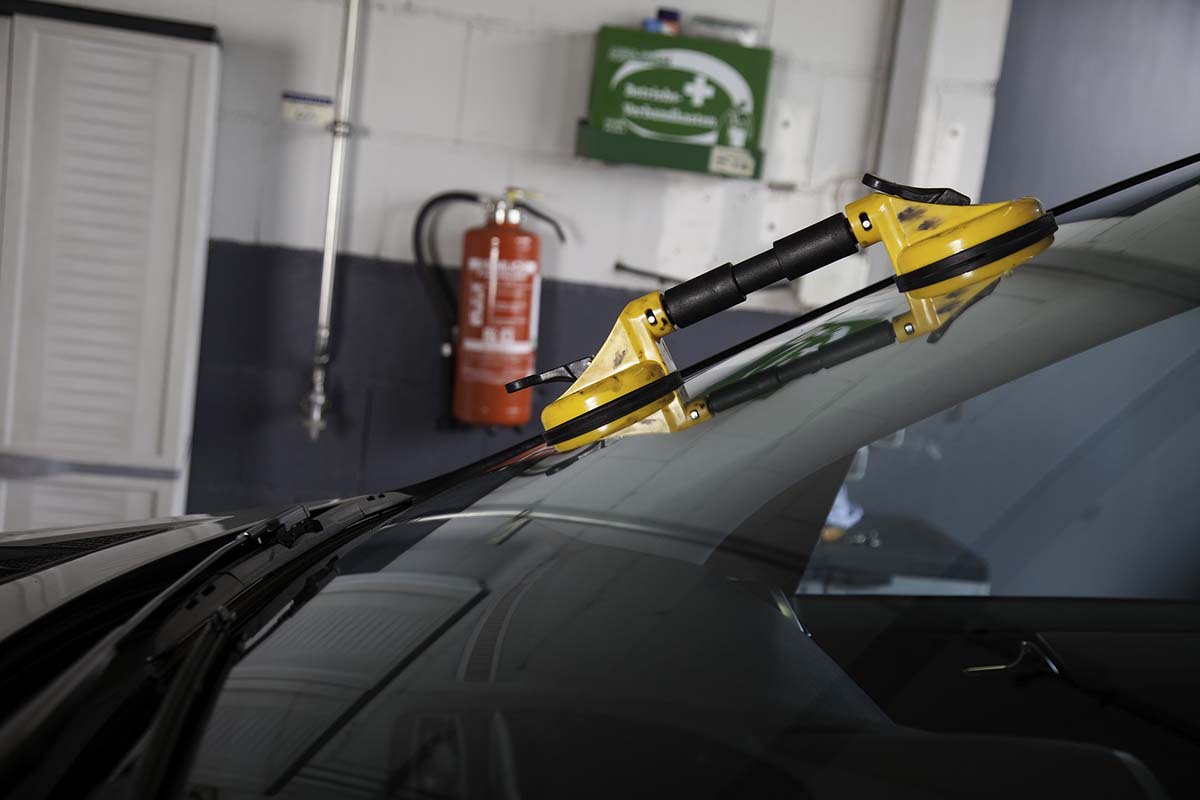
[
  {"x": 502, "y": 299},
  {"x": 486, "y": 346}
]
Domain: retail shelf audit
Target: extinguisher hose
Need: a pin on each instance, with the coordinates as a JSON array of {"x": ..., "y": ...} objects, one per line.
[
  {"x": 544, "y": 217},
  {"x": 441, "y": 292}
]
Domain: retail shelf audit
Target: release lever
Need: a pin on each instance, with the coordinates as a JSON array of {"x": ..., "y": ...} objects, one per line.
[
  {"x": 943, "y": 196},
  {"x": 568, "y": 373}
]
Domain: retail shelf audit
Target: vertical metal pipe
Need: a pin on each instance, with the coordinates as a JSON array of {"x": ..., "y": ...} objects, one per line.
[{"x": 341, "y": 130}]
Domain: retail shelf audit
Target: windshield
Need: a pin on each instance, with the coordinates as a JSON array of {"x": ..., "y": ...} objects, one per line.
[
  {"x": 1075, "y": 480},
  {"x": 705, "y": 605},
  {"x": 1012, "y": 456}
]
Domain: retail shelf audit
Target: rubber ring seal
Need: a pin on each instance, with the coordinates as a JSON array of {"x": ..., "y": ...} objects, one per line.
[
  {"x": 613, "y": 410},
  {"x": 980, "y": 255}
]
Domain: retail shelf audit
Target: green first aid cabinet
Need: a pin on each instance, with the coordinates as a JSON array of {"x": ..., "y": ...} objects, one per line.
[{"x": 676, "y": 102}]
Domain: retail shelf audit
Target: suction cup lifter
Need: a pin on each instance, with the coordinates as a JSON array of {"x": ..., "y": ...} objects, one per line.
[{"x": 946, "y": 253}]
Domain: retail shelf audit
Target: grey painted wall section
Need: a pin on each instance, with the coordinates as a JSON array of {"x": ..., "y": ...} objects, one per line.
[
  {"x": 389, "y": 396},
  {"x": 1091, "y": 92}
]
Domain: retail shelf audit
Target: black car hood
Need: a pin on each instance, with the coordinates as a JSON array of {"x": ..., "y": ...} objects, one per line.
[{"x": 43, "y": 572}]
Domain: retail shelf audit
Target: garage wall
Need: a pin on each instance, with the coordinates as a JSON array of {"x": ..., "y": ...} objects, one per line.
[
  {"x": 388, "y": 424},
  {"x": 479, "y": 95},
  {"x": 482, "y": 94},
  {"x": 1092, "y": 92}
]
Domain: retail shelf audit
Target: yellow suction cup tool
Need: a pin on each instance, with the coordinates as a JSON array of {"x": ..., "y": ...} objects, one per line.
[
  {"x": 945, "y": 250},
  {"x": 947, "y": 254},
  {"x": 629, "y": 387}
]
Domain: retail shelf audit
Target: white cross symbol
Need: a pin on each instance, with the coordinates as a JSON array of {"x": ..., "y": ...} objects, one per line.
[{"x": 699, "y": 90}]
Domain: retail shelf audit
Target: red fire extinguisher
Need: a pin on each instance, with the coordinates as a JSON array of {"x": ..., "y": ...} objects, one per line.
[{"x": 493, "y": 336}]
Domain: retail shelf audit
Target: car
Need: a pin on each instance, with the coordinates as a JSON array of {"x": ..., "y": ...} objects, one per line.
[{"x": 954, "y": 567}]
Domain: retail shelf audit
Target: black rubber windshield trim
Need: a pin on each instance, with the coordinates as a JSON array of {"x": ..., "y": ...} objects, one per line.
[
  {"x": 613, "y": 410},
  {"x": 981, "y": 254}
]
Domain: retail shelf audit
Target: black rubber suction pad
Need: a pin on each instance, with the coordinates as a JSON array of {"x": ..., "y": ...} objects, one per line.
[
  {"x": 790, "y": 257},
  {"x": 980, "y": 255},
  {"x": 613, "y": 410}
]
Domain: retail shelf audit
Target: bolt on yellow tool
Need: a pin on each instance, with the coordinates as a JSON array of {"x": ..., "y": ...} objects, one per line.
[{"x": 946, "y": 252}]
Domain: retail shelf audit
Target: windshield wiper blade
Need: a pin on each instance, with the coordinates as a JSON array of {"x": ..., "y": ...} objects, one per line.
[
  {"x": 312, "y": 584},
  {"x": 179, "y": 724},
  {"x": 176, "y": 732},
  {"x": 63, "y": 721}
]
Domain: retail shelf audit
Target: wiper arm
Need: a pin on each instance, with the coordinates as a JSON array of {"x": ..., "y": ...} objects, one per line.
[
  {"x": 251, "y": 573},
  {"x": 176, "y": 732},
  {"x": 275, "y": 545}
]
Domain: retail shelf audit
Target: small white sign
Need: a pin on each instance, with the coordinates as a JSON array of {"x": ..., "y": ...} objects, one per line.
[
  {"x": 307, "y": 109},
  {"x": 731, "y": 161}
]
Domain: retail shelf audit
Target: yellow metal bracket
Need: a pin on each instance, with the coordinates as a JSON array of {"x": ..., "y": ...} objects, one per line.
[
  {"x": 917, "y": 235},
  {"x": 928, "y": 314},
  {"x": 946, "y": 254},
  {"x": 632, "y": 357}
]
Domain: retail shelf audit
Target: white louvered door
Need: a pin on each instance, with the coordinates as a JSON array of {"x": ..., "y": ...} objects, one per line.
[{"x": 108, "y": 152}]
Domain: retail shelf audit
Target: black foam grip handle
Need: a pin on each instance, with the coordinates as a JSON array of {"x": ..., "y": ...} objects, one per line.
[
  {"x": 815, "y": 246},
  {"x": 792, "y": 256},
  {"x": 798, "y": 254},
  {"x": 702, "y": 296},
  {"x": 848, "y": 348},
  {"x": 743, "y": 391}
]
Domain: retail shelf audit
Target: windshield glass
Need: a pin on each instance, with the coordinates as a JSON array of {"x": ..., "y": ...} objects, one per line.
[
  {"x": 702, "y": 610},
  {"x": 1075, "y": 480}
]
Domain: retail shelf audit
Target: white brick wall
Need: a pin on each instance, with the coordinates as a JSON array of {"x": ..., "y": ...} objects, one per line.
[
  {"x": 956, "y": 122},
  {"x": 478, "y": 95}
]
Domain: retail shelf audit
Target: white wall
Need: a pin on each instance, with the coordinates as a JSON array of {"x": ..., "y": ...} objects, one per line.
[
  {"x": 966, "y": 50},
  {"x": 479, "y": 95}
]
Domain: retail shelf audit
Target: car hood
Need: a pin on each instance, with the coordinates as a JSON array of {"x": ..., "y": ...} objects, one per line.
[{"x": 41, "y": 571}]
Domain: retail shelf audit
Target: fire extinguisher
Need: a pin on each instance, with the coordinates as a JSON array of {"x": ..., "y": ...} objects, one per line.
[{"x": 490, "y": 329}]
